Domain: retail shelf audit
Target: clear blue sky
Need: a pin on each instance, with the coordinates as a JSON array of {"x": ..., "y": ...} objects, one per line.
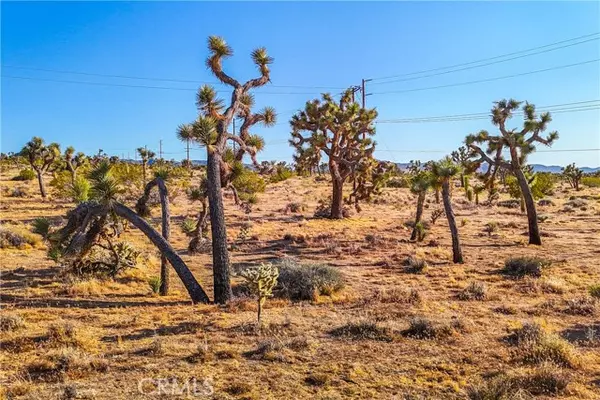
[{"x": 327, "y": 44}]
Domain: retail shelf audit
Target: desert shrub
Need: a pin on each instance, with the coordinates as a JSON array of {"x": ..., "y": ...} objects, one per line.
[
  {"x": 80, "y": 190},
  {"x": 294, "y": 207},
  {"x": 247, "y": 184},
  {"x": 545, "y": 202},
  {"x": 464, "y": 222},
  {"x": 323, "y": 209},
  {"x": 543, "y": 217},
  {"x": 581, "y": 306},
  {"x": 18, "y": 192},
  {"x": 512, "y": 203},
  {"x": 474, "y": 291},
  {"x": 576, "y": 203},
  {"x": 543, "y": 185},
  {"x": 591, "y": 181},
  {"x": 154, "y": 283},
  {"x": 524, "y": 266},
  {"x": 436, "y": 214},
  {"x": 415, "y": 265},
  {"x": 65, "y": 334},
  {"x": 307, "y": 281},
  {"x": 553, "y": 285},
  {"x": 281, "y": 173},
  {"x": 188, "y": 226},
  {"x": 103, "y": 263},
  {"x": 41, "y": 226},
  {"x": 129, "y": 175},
  {"x": 17, "y": 237},
  {"x": 26, "y": 174},
  {"x": 11, "y": 322},
  {"x": 595, "y": 291},
  {"x": 491, "y": 227},
  {"x": 261, "y": 281},
  {"x": 424, "y": 328},
  {"x": 363, "y": 330},
  {"x": 537, "y": 346},
  {"x": 396, "y": 295}
]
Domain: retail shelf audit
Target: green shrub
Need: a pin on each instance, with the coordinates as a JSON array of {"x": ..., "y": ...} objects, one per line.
[
  {"x": 154, "y": 282},
  {"x": 595, "y": 291},
  {"x": 188, "y": 226},
  {"x": 280, "y": 174},
  {"x": 307, "y": 281},
  {"x": 591, "y": 181},
  {"x": 41, "y": 226},
  {"x": 80, "y": 190},
  {"x": 26, "y": 174},
  {"x": 525, "y": 266}
]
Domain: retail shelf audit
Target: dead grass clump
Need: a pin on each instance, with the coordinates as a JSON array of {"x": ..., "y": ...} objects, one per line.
[
  {"x": 414, "y": 265},
  {"x": 11, "y": 322},
  {"x": 317, "y": 379},
  {"x": 201, "y": 355},
  {"x": 66, "y": 361},
  {"x": 65, "y": 334},
  {"x": 363, "y": 330},
  {"x": 307, "y": 281},
  {"x": 238, "y": 388},
  {"x": 396, "y": 295},
  {"x": 275, "y": 349},
  {"x": 294, "y": 207},
  {"x": 553, "y": 285},
  {"x": 474, "y": 291},
  {"x": 14, "y": 237},
  {"x": 424, "y": 328},
  {"x": 595, "y": 291},
  {"x": 520, "y": 267},
  {"x": 581, "y": 306},
  {"x": 534, "y": 345}
]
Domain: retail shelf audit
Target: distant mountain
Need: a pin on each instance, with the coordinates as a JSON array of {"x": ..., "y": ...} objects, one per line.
[{"x": 555, "y": 169}]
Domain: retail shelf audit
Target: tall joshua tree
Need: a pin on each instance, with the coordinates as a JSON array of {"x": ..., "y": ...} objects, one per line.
[
  {"x": 342, "y": 131},
  {"x": 41, "y": 157},
  {"x": 444, "y": 171},
  {"x": 146, "y": 155},
  {"x": 461, "y": 157},
  {"x": 159, "y": 181},
  {"x": 573, "y": 175},
  {"x": 519, "y": 143},
  {"x": 211, "y": 130},
  {"x": 185, "y": 133},
  {"x": 73, "y": 161}
]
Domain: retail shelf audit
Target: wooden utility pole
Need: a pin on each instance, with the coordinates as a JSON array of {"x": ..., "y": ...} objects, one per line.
[{"x": 364, "y": 93}]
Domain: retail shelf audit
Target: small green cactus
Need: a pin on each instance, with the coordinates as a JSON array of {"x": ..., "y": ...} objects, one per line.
[{"x": 261, "y": 281}]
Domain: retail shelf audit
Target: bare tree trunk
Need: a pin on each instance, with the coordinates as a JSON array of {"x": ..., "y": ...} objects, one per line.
[
  {"x": 420, "y": 203},
  {"x": 337, "y": 206},
  {"x": 197, "y": 294},
  {"x": 144, "y": 173},
  {"x": 437, "y": 195},
  {"x": 199, "y": 232},
  {"x": 456, "y": 250},
  {"x": 41, "y": 183},
  {"x": 534, "y": 232},
  {"x": 166, "y": 232},
  {"x": 222, "y": 284}
]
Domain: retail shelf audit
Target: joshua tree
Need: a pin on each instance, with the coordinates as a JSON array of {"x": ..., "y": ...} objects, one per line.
[
  {"x": 573, "y": 175},
  {"x": 160, "y": 178},
  {"x": 73, "y": 162},
  {"x": 146, "y": 155},
  {"x": 211, "y": 130},
  {"x": 461, "y": 157},
  {"x": 41, "y": 158},
  {"x": 520, "y": 143},
  {"x": 88, "y": 220},
  {"x": 477, "y": 190},
  {"x": 185, "y": 133},
  {"x": 199, "y": 234},
  {"x": 342, "y": 131},
  {"x": 419, "y": 184},
  {"x": 443, "y": 171}
]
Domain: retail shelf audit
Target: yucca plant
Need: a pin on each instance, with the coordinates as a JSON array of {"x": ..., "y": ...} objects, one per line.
[
  {"x": 41, "y": 226},
  {"x": 420, "y": 182},
  {"x": 155, "y": 283},
  {"x": 146, "y": 155}
]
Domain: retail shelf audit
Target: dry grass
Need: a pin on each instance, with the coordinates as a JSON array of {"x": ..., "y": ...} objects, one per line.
[{"x": 385, "y": 334}]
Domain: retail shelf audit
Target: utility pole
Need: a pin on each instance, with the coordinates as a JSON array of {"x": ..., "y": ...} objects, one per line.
[
  {"x": 188, "y": 151},
  {"x": 354, "y": 90},
  {"x": 364, "y": 93},
  {"x": 160, "y": 149}
]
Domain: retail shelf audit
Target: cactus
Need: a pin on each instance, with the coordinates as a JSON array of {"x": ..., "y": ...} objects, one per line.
[{"x": 261, "y": 281}]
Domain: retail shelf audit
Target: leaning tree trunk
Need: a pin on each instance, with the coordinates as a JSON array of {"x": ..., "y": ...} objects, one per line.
[
  {"x": 337, "y": 206},
  {"x": 222, "y": 284},
  {"x": 534, "y": 232},
  {"x": 41, "y": 183},
  {"x": 456, "y": 250},
  {"x": 197, "y": 294},
  {"x": 420, "y": 203}
]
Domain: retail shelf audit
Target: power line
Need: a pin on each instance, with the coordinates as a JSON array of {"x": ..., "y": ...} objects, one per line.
[
  {"x": 154, "y": 79},
  {"x": 483, "y": 65},
  {"x": 487, "y": 59},
  {"x": 489, "y": 79}
]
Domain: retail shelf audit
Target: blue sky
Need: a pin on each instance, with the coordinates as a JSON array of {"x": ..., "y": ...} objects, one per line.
[{"x": 314, "y": 44}]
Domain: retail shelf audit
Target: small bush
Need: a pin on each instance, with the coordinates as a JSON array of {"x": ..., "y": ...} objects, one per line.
[
  {"x": 363, "y": 331},
  {"x": 18, "y": 192},
  {"x": 474, "y": 291},
  {"x": 154, "y": 283},
  {"x": 26, "y": 174},
  {"x": 307, "y": 281},
  {"x": 188, "y": 226},
  {"x": 294, "y": 207},
  {"x": 525, "y": 266},
  {"x": 491, "y": 227},
  {"x": 553, "y": 285},
  {"x": 80, "y": 190},
  {"x": 396, "y": 295},
  {"x": 424, "y": 328},
  {"x": 576, "y": 203},
  {"x": 591, "y": 181},
  {"x": 16, "y": 237},
  {"x": 512, "y": 203},
  {"x": 11, "y": 322},
  {"x": 595, "y": 291},
  {"x": 41, "y": 226},
  {"x": 545, "y": 202},
  {"x": 65, "y": 334},
  {"x": 582, "y": 306},
  {"x": 537, "y": 346},
  {"x": 415, "y": 265}
]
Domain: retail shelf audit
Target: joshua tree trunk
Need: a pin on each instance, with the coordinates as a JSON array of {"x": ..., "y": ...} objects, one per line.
[
  {"x": 166, "y": 232},
  {"x": 222, "y": 285},
  {"x": 420, "y": 203},
  {"x": 534, "y": 232},
  {"x": 337, "y": 199},
  {"x": 144, "y": 173},
  {"x": 437, "y": 195},
  {"x": 194, "y": 289},
  {"x": 456, "y": 250},
  {"x": 40, "y": 177},
  {"x": 199, "y": 232}
]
